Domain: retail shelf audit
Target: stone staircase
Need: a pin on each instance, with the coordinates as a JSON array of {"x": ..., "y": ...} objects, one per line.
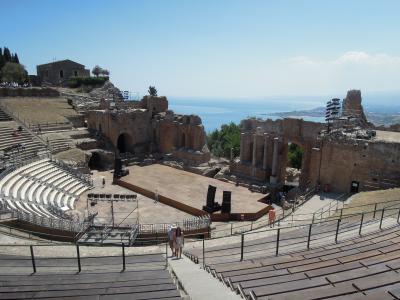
[
  {"x": 18, "y": 145},
  {"x": 4, "y": 116}
]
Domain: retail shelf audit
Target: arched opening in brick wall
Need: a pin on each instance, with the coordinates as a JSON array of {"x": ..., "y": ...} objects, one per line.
[
  {"x": 124, "y": 143},
  {"x": 294, "y": 163},
  {"x": 95, "y": 161}
]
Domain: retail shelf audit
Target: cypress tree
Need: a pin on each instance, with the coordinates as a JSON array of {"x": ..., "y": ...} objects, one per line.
[
  {"x": 16, "y": 59},
  {"x": 7, "y": 55},
  {"x": 2, "y": 62}
]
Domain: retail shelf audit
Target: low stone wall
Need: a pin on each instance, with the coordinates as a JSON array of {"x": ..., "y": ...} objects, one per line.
[
  {"x": 77, "y": 121},
  {"x": 28, "y": 92},
  {"x": 191, "y": 157}
]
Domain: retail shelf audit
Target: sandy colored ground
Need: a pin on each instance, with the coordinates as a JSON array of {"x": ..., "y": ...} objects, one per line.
[
  {"x": 40, "y": 110},
  {"x": 74, "y": 154},
  {"x": 364, "y": 202},
  {"x": 149, "y": 212},
  {"x": 368, "y": 198},
  {"x": 190, "y": 188},
  {"x": 388, "y": 136}
]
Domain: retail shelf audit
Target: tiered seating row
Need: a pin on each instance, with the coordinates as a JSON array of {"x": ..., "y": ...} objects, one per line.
[
  {"x": 145, "y": 278},
  {"x": 358, "y": 268},
  {"x": 36, "y": 187},
  {"x": 30, "y": 146}
]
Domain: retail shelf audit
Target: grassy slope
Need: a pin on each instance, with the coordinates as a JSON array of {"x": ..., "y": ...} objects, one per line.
[{"x": 40, "y": 110}]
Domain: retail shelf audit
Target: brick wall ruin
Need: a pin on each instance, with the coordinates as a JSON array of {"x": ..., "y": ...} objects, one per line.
[
  {"x": 348, "y": 158},
  {"x": 264, "y": 147},
  {"x": 147, "y": 126}
]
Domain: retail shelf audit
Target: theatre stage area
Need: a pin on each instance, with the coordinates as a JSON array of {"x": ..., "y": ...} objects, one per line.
[{"x": 187, "y": 192}]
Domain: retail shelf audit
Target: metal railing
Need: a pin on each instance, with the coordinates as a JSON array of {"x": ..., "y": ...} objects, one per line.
[
  {"x": 331, "y": 228},
  {"x": 197, "y": 223},
  {"x": 66, "y": 167},
  {"x": 72, "y": 258},
  {"x": 60, "y": 224}
]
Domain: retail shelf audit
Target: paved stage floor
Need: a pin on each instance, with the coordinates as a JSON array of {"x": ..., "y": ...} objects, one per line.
[
  {"x": 191, "y": 189},
  {"x": 149, "y": 211}
]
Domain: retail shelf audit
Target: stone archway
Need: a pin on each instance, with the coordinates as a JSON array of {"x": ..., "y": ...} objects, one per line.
[
  {"x": 95, "y": 161},
  {"x": 124, "y": 143}
]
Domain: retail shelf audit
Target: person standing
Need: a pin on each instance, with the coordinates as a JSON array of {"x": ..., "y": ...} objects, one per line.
[
  {"x": 171, "y": 237},
  {"x": 178, "y": 242},
  {"x": 271, "y": 216}
]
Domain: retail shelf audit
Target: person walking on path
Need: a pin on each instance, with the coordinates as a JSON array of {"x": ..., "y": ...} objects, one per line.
[
  {"x": 271, "y": 217},
  {"x": 104, "y": 182},
  {"x": 171, "y": 237},
  {"x": 178, "y": 242}
]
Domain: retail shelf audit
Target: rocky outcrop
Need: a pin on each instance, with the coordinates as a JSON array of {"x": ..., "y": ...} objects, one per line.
[
  {"x": 107, "y": 91},
  {"x": 353, "y": 109}
]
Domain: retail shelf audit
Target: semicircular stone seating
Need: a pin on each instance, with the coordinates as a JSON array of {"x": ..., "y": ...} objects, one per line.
[{"x": 38, "y": 187}]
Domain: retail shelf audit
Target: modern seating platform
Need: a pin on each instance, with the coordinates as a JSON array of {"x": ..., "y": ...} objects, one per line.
[
  {"x": 358, "y": 267},
  {"x": 145, "y": 277}
]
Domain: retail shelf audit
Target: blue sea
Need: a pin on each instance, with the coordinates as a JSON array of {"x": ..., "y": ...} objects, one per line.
[{"x": 215, "y": 112}]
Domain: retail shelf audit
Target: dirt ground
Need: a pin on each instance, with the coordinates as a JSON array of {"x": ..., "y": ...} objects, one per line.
[
  {"x": 40, "y": 110},
  {"x": 74, "y": 154},
  {"x": 365, "y": 202}
]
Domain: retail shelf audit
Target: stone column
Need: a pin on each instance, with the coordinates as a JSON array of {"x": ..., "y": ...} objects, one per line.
[
  {"x": 265, "y": 154},
  {"x": 273, "y": 178},
  {"x": 242, "y": 137},
  {"x": 254, "y": 157}
]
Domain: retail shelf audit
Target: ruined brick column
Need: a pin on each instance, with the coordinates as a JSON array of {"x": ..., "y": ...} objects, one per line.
[
  {"x": 265, "y": 154},
  {"x": 242, "y": 137},
  {"x": 273, "y": 178},
  {"x": 254, "y": 157}
]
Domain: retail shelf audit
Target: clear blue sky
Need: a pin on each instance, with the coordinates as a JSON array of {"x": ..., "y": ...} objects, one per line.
[{"x": 216, "y": 48}]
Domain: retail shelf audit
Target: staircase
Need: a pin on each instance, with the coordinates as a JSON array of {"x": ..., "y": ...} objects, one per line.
[
  {"x": 18, "y": 146},
  {"x": 4, "y": 117}
]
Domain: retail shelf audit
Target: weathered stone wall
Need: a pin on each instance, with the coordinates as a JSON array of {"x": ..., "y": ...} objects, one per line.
[
  {"x": 264, "y": 148},
  {"x": 375, "y": 165},
  {"x": 28, "y": 92},
  {"x": 153, "y": 128},
  {"x": 133, "y": 124},
  {"x": 154, "y": 104}
]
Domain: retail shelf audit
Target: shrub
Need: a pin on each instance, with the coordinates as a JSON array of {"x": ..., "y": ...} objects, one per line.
[
  {"x": 86, "y": 81},
  {"x": 295, "y": 156},
  {"x": 221, "y": 141}
]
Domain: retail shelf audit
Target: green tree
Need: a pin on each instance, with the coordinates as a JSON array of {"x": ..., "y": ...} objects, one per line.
[
  {"x": 295, "y": 156},
  {"x": 2, "y": 60},
  {"x": 7, "y": 55},
  {"x": 12, "y": 72},
  {"x": 105, "y": 72},
  {"x": 223, "y": 140},
  {"x": 96, "y": 70},
  {"x": 152, "y": 91},
  {"x": 15, "y": 58}
]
